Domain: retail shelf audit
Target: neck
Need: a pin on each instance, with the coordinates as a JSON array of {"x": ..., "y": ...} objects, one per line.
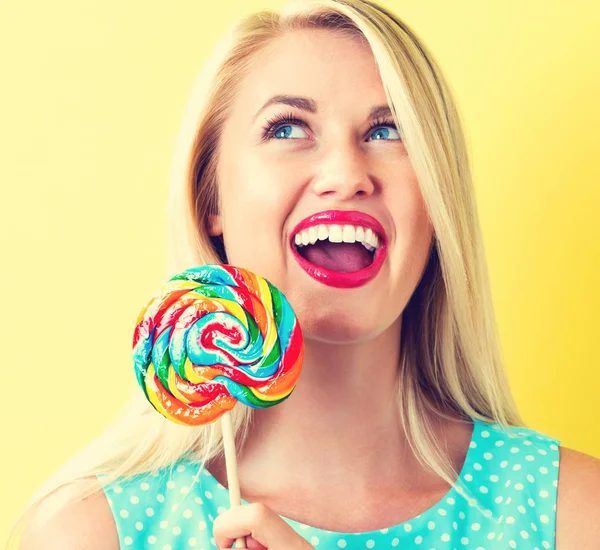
[{"x": 340, "y": 423}]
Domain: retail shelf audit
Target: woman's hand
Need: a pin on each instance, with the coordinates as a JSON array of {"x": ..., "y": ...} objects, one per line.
[{"x": 263, "y": 529}]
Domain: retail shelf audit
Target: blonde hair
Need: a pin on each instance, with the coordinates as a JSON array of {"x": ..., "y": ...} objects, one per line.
[{"x": 450, "y": 356}]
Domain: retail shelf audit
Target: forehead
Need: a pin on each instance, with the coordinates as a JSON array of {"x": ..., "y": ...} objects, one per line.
[{"x": 337, "y": 71}]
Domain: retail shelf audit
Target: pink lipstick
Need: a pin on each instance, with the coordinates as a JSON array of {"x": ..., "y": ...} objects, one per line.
[{"x": 338, "y": 279}]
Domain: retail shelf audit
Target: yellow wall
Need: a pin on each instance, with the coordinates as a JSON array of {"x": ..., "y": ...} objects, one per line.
[{"x": 91, "y": 98}]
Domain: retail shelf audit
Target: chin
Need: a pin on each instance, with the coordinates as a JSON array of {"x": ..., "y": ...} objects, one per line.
[{"x": 336, "y": 326}]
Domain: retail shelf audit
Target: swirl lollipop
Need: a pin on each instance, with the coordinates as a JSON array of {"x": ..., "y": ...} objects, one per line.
[{"x": 215, "y": 335}]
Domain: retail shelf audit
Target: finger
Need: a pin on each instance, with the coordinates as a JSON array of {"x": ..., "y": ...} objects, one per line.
[{"x": 264, "y": 526}]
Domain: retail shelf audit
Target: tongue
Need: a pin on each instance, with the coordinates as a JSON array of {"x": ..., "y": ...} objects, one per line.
[{"x": 341, "y": 257}]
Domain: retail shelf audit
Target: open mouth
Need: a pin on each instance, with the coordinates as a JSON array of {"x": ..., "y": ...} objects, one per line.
[{"x": 340, "y": 248}]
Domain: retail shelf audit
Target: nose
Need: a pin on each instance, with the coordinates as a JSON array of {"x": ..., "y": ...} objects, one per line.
[{"x": 344, "y": 174}]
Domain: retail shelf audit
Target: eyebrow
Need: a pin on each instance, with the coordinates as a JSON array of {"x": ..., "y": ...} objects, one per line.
[{"x": 310, "y": 105}]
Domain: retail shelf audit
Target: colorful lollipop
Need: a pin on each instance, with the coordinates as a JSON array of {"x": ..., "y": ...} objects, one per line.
[{"x": 212, "y": 336}]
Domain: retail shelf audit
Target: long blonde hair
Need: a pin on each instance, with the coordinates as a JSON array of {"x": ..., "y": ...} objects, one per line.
[{"x": 450, "y": 358}]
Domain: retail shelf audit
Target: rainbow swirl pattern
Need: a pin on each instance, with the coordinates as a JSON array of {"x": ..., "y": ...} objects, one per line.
[{"x": 212, "y": 336}]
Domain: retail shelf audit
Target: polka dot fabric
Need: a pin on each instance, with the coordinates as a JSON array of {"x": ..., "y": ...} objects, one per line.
[{"x": 512, "y": 474}]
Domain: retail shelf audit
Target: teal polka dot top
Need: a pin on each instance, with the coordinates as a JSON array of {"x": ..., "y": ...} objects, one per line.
[{"x": 510, "y": 476}]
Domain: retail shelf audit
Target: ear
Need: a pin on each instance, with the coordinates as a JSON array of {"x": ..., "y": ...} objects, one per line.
[{"x": 215, "y": 226}]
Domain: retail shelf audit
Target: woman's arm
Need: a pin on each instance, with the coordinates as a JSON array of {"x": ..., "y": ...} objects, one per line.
[
  {"x": 84, "y": 525},
  {"x": 578, "y": 501}
]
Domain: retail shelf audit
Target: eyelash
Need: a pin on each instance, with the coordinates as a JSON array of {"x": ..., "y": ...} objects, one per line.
[{"x": 273, "y": 124}]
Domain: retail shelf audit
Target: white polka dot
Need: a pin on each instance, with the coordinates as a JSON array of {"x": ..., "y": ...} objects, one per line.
[
  {"x": 151, "y": 539},
  {"x": 124, "y": 513},
  {"x": 503, "y": 464},
  {"x": 117, "y": 489},
  {"x": 134, "y": 500},
  {"x": 181, "y": 468},
  {"x": 543, "y": 470},
  {"x": 160, "y": 498},
  {"x": 499, "y": 499},
  {"x": 475, "y": 526},
  {"x": 445, "y": 537},
  {"x": 167, "y": 547},
  {"x": 499, "y": 443},
  {"x": 483, "y": 489},
  {"x": 512, "y": 544},
  {"x": 192, "y": 541},
  {"x": 370, "y": 543},
  {"x": 521, "y": 509},
  {"x": 184, "y": 490},
  {"x": 516, "y": 467},
  {"x": 514, "y": 450},
  {"x": 468, "y": 477},
  {"x": 494, "y": 478},
  {"x": 431, "y": 525},
  {"x": 485, "y": 433},
  {"x": 530, "y": 458},
  {"x": 491, "y": 535},
  {"x": 341, "y": 543},
  {"x": 419, "y": 539},
  {"x": 510, "y": 519},
  {"x": 542, "y": 452},
  {"x": 149, "y": 511},
  {"x": 202, "y": 525},
  {"x": 543, "y": 493},
  {"x": 144, "y": 486},
  {"x": 314, "y": 541},
  {"x": 128, "y": 541},
  {"x": 170, "y": 484},
  {"x": 208, "y": 494},
  {"x": 525, "y": 534},
  {"x": 176, "y": 530},
  {"x": 488, "y": 456},
  {"x": 174, "y": 507},
  {"x": 139, "y": 525},
  {"x": 197, "y": 500},
  {"x": 477, "y": 466},
  {"x": 395, "y": 541},
  {"x": 187, "y": 514},
  {"x": 519, "y": 486},
  {"x": 408, "y": 527},
  {"x": 221, "y": 509},
  {"x": 442, "y": 512},
  {"x": 544, "y": 518},
  {"x": 545, "y": 544},
  {"x": 450, "y": 500},
  {"x": 530, "y": 478},
  {"x": 472, "y": 445},
  {"x": 163, "y": 524},
  {"x": 464, "y": 540}
]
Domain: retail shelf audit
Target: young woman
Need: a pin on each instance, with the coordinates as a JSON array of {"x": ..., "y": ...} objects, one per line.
[{"x": 322, "y": 150}]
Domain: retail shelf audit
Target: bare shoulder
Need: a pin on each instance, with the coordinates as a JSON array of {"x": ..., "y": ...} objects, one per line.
[
  {"x": 84, "y": 525},
  {"x": 578, "y": 501}
]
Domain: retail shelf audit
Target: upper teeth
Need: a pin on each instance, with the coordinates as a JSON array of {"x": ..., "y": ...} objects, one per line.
[{"x": 338, "y": 234}]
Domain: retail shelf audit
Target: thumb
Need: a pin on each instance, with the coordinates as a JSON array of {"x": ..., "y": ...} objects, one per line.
[{"x": 262, "y": 527}]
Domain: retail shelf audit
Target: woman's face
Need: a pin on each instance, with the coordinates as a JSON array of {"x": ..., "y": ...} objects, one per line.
[{"x": 328, "y": 159}]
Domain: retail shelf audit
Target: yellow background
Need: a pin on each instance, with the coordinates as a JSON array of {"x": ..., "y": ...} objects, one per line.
[{"x": 92, "y": 95}]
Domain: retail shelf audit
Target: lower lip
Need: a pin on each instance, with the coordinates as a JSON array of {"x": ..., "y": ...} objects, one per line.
[{"x": 336, "y": 279}]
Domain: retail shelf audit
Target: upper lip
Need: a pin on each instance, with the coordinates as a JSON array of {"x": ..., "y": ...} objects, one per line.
[{"x": 341, "y": 217}]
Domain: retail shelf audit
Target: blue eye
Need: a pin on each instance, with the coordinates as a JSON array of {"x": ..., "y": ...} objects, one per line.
[
  {"x": 279, "y": 128},
  {"x": 386, "y": 131}
]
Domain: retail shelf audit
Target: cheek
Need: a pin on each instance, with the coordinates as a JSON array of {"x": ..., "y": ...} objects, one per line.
[{"x": 256, "y": 202}]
